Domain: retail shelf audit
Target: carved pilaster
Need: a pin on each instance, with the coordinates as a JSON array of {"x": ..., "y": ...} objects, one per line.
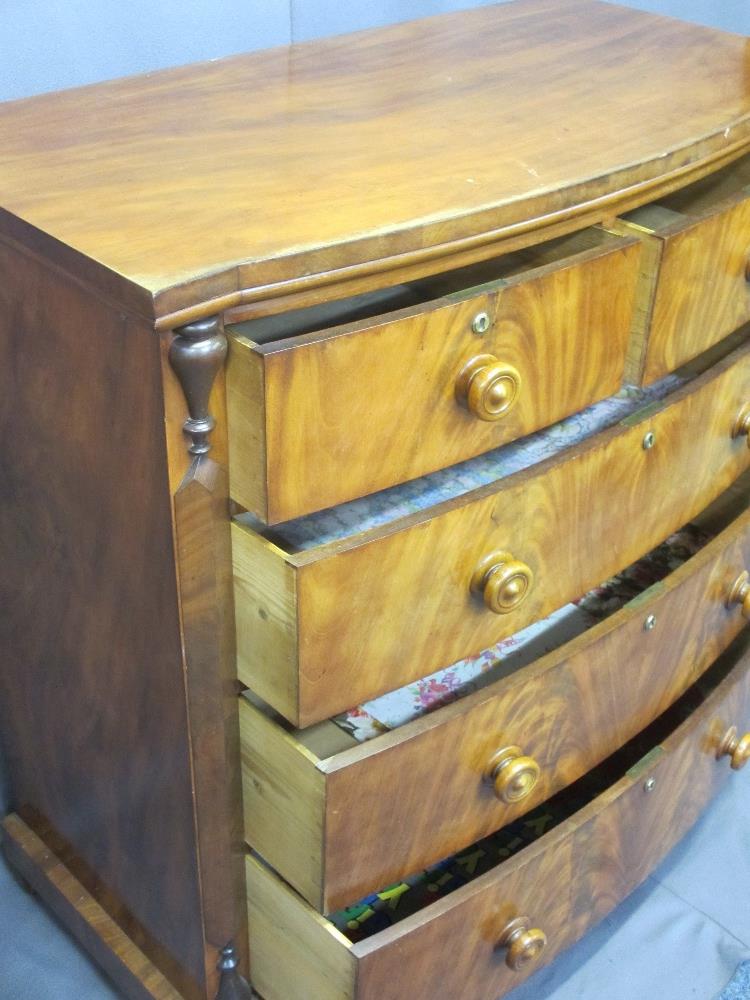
[
  {"x": 232, "y": 985},
  {"x": 197, "y": 354}
]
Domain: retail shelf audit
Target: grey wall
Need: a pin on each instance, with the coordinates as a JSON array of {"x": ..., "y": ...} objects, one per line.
[{"x": 51, "y": 44}]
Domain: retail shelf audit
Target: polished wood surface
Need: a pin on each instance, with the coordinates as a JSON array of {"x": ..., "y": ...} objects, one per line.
[
  {"x": 206, "y": 609},
  {"x": 699, "y": 289},
  {"x": 564, "y": 883},
  {"x": 433, "y": 778},
  {"x": 92, "y": 706},
  {"x": 573, "y": 520},
  {"x": 327, "y": 416},
  {"x": 330, "y": 160},
  {"x": 45, "y": 874}
]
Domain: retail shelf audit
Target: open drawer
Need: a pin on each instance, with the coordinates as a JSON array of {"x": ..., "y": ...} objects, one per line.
[
  {"x": 496, "y": 920},
  {"x": 434, "y": 785},
  {"x": 695, "y": 282},
  {"x": 457, "y": 576},
  {"x": 341, "y": 400}
]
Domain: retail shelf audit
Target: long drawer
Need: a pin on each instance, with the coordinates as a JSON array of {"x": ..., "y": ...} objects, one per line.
[
  {"x": 458, "y": 577},
  {"x": 478, "y": 357},
  {"x": 695, "y": 282},
  {"x": 483, "y": 938},
  {"x": 336, "y": 820}
]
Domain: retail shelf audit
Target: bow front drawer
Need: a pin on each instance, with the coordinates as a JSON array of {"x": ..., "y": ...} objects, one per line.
[
  {"x": 455, "y": 578},
  {"x": 323, "y": 409},
  {"x": 695, "y": 284},
  {"x": 433, "y": 785},
  {"x": 568, "y": 864}
]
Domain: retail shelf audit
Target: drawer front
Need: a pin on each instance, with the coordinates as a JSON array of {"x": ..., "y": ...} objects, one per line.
[
  {"x": 319, "y": 419},
  {"x": 311, "y": 639},
  {"x": 695, "y": 287},
  {"x": 564, "y": 883},
  {"x": 424, "y": 788}
]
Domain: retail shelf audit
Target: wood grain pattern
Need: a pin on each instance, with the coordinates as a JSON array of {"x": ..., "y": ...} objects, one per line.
[
  {"x": 554, "y": 114},
  {"x": 574, "y": 520},
  {"x": 265, "y": 599},
  {"x": 206, "y": 610},
  {"x": 566, "y": 882},
  {"x": 45, "y": 873},
  {"x": 701, "y": 291},
  {"x": 284, "y": 800},
  {"x": 355, "y": 409},
  {"x": 320, "y": 965},
  {"x": 92, "y": 698},
  {"x": 569, "y": 711}
]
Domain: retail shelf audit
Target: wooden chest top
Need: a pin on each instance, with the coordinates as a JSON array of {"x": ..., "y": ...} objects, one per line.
[{"x": 367, "y": 151}]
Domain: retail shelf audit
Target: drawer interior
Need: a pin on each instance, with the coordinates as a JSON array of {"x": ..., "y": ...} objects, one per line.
[
  {"x": 460, "y": 283},
  {"x": 394, "y": 903},
  {"x": 405, "y": 705}
]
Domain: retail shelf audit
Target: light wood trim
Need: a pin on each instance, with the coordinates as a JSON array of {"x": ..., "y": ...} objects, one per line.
[
  {"x": 265, "y": 596},
  {"x": 297, "y": 954},
  {"x": 284, "y": 800},
  {"x": 246, "y": 408},
  {"x": 83, "y": 917}
]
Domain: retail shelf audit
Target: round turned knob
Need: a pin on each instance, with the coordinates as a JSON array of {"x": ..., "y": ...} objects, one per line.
[
  {"x": 740, "y": 593},
  {"x": 735, "y": 746},
  {"x": 488, "y": 388},
  {"x": 524, "y": 944},
  {"x": 513, "y": 775},
  {"x": 742, "y": 424},
  {"x": 503, "y": 581}
]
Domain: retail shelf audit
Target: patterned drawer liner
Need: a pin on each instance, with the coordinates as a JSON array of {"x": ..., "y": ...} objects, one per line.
[
  {"x": 408, "y": 703},
  {"x": 395, "y": 902},
  {"x": 446, "y": 484}
]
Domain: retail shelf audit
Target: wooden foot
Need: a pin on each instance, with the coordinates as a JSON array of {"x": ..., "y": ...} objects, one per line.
[{"x": 106, "y": 942}]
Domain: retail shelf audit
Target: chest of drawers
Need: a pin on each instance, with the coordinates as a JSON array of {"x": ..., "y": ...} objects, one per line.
[{"x": 374, "y": 496}]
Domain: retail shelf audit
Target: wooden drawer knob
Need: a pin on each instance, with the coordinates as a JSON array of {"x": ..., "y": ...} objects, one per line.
[
  {"x": 503, "y": 581},
  {"x": 488, "y": 388},
  {"x": 524, "y": 944},
  {"x": 742, "y": 424},
  {"x": 513, "y": 775},
  {"x": 740, "y": 593},
  {"x": 735, "y": 746}
]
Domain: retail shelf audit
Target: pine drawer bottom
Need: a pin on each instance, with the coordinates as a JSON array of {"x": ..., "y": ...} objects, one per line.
[{"x": 605, "y": 834}]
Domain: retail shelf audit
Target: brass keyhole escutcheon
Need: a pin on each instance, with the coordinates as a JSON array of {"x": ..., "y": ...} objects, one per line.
[
  {"x": 736, "y": 747},
  {"x": 513, "y": 775},
  {"x": 523, "y": 943},
  {"x": 503, "y": 581},
  {"x": 740, "y": 593},
  {"x": 741, "y": 426},
  {"x": 487, "y": 387}
]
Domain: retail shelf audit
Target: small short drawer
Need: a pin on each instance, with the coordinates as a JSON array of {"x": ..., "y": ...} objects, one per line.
[
  {"x": 695, "y": 283},
  {"x": 599, "y": 840},
  {"x": 476, "y": 357},
  {"x": 455, "y": 578},
  {"x": 427, "y": 787}
]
